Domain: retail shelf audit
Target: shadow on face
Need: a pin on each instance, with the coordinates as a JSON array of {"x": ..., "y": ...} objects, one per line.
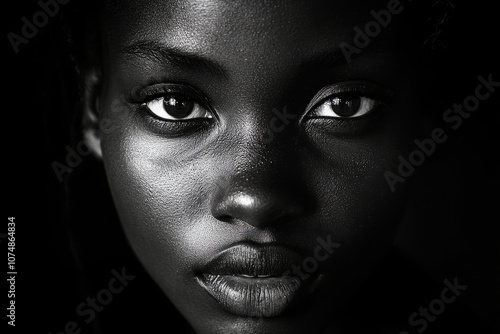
[{"x": 249, "y": 149}]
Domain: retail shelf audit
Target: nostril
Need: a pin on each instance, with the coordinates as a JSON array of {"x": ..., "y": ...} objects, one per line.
[
  {"x": 225, "y": 218},
  {"x": 258, "y": 208},
  {"x": 259, "y": 198}
]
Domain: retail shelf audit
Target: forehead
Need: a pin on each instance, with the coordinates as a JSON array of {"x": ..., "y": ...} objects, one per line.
[{"x": 239, "y": 28}]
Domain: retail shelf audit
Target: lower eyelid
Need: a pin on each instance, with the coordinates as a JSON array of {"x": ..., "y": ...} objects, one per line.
[
  {"x": 168, "y": 127},
  {"x": 346, "y": 128},
  {"x": 199, "y": 109}
]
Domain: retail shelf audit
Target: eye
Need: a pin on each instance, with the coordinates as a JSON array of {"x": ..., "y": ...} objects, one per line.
[
  {"x": 344, "y": 106},
  {"x": 176, "y": 108},
  {"x": 348, "y": 100}
]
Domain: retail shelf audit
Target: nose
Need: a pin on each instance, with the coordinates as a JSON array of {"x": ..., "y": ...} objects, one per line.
[{"x": 260, "y": 196}]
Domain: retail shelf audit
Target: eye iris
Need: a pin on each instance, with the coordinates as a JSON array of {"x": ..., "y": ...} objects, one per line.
[
  {"x": 345, "y": 107},
  {"x": 178, "y": 108}
]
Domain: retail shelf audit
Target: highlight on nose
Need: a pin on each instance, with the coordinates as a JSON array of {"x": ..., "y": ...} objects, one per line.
[{"x": 260, "y": 204}]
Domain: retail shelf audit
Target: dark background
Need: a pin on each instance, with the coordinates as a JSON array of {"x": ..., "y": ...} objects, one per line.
[{"x": 68, "y": 238}]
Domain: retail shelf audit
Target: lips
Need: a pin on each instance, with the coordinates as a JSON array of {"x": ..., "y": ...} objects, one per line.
[{"x": 253, "y": 280}]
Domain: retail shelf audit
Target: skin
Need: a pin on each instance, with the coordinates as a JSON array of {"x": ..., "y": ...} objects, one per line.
[{"x": 184, "y": 193}]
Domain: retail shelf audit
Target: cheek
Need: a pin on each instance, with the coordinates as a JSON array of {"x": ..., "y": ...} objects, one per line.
[
  {"x": 354, "y": 197},
  {"x": 157, "y": 196},
  {"x": 357, "y": 207},
  {"x": 161, "y": 191},
  {"x": 162, "y": 186},
  {"x": 355, "y": 202}
]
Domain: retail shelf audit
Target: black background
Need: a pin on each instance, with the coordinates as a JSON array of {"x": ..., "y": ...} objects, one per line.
[{"x": 455, "y": 205}]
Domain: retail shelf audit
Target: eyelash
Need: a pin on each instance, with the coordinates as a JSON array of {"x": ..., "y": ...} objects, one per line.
[
  {"x": 350, "y": 89},
  {"x": 141, "y": 95}
]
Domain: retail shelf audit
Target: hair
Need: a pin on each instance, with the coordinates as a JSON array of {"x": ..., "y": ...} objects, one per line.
[{"x": 89, "y": 227}]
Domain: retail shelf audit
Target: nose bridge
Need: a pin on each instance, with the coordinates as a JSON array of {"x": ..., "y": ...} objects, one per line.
[
  {"x": 265, "y": 147},
  {"x": 264, "y": 184},
  {"x": 263, "y": 125}
]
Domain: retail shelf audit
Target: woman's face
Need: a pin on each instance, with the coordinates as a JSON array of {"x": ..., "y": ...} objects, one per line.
[{"x": 247, "y": 155}]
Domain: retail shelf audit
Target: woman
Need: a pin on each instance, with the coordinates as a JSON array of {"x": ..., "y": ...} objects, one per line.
[{"x": 252, "y": 155}]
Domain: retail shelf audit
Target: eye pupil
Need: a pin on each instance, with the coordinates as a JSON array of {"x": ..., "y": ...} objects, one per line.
[
  {"x": 178, "y": 108},
  {"x": 345, "y": 107}
]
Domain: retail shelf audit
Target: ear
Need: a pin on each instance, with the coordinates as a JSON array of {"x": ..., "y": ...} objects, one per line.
[{"x": 90, "y": 114}]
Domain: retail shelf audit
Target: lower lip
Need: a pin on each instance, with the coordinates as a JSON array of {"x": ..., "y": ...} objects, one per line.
[{"x": 253, "y": 297}]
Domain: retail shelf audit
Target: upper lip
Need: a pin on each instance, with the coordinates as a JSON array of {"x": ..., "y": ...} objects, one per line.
[{"x": 253, "y": 260}]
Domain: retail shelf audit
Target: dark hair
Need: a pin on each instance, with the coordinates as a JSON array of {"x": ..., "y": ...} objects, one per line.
[{"x": 87, "y": 227}]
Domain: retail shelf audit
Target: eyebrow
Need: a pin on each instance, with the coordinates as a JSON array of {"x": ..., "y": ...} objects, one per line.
[{"x": 156, "y": 51}]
